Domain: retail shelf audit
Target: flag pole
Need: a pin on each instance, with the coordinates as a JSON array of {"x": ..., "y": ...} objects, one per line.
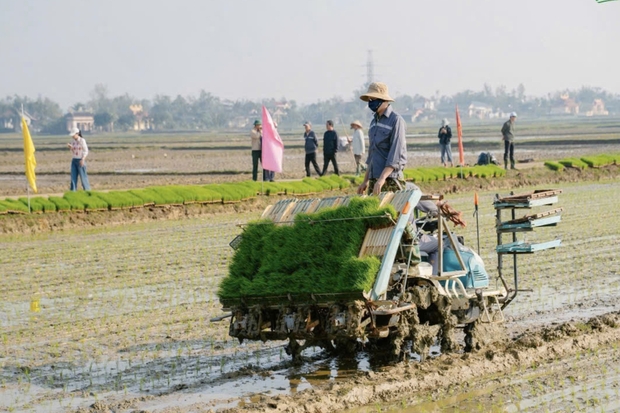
[
  {"x": 477, "y": 224},
  {"x": 27, "y": 184}
]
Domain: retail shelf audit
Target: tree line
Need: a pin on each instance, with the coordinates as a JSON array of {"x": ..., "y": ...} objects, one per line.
[{"x": 208, "y": 112}]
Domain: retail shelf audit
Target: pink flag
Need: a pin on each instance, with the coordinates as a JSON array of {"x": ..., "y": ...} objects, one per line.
[{"x": 272, "y": 146}]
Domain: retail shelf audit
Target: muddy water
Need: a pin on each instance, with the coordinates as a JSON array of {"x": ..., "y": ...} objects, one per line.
[
  {"x": 123, "y": 325},
  {"x": 558, "y": 386}
]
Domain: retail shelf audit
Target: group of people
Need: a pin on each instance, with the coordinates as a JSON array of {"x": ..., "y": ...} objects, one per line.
[
  {"x": 331, "y": 144},
  {"x": 387, "y": 151},
  {"x": 445, "y": 134}
]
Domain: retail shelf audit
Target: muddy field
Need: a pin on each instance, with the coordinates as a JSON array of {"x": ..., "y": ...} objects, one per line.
[
  {"x": 116, "y": 318},
  {"x": 110, "y": 311}
]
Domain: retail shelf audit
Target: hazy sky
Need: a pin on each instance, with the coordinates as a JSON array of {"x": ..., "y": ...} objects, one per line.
[{"x": 303, "y": 50}]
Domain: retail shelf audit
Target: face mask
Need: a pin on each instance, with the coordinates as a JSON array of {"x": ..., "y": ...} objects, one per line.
[{"x": 374, "y": 104}]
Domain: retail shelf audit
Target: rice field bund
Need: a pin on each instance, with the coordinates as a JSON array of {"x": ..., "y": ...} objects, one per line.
[{"x": 117, "y": 319}]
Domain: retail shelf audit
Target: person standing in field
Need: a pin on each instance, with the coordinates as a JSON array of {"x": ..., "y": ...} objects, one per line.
[
  {"x": 330, "y": 147},
  {"x": 268, "y": 176},
  {"x": 508, "y": 137},
  {"x": 79, "y": 150},
  {"x": 256, "y": 135},
  {"x": 359, "y": 146},
  {"x": 444, "y": 135},
  {"x": 387, "y": 148},
  {"x": 310, "y": 146}
]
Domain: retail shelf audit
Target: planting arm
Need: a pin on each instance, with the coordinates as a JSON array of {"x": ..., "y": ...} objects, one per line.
[{"x": 383, "y": 277}]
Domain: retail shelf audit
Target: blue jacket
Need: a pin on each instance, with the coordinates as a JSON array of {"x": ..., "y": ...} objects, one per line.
[{"x": 312, "y": 143}]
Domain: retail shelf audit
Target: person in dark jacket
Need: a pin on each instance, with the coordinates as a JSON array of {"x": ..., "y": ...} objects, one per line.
[
  {"x": 311, "y": 145},
  {"x": 330, "y": 147},
  {"x": 508, "y": 138},
  {"x": 444, "y": 135}
]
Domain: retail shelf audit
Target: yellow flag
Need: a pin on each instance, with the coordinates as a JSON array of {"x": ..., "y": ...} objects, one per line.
[{"x": 31, "y": 163}]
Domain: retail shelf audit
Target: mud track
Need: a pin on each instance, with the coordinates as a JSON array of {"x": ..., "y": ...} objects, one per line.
[{"x": 402, "y": 381}]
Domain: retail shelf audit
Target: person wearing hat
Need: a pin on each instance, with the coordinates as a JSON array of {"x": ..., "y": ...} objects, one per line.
[
  {"x": 508, "y": 138},
  {"x": 387, "y": 149},
  {"x": 256, "y": 135},
  {"x": 310, "y": 146},
  {"x": 359, "y": 146},
  {"x": 444, "y": 135},
  {"x": 79, "y": 150}
]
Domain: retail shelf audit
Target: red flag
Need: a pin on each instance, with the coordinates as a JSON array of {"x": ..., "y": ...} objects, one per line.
[
  {"x": 459, "y": 131},
  {"x": 272, "y": 146}
]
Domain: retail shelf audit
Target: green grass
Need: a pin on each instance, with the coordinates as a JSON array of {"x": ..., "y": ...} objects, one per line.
[
  {"x": 39, "y": 204},
  {"x": 13, "y": 205},
  {"x": 597, "y": 161},
  {"x": 573, "y": 163},
  {"x": 118, "y": 199},
  {"x": 83, "y": 200},
  {"x": 62, "y": 205},
  {"x": 554, "y": 166},
  {"x": 315, "y": 254}
]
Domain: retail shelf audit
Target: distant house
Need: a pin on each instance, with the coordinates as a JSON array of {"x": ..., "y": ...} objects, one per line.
[
  {"x": 480, "y": 110},
  {"x": 567, "y": 106},
  {"x": 598, "y": 108},
  {"x": 142, "y": 120},
  {"x": 421, "y": 109},
  {"x": 11, "y": 120},
  {"x": 84, "y": 121},
  {"x": 281, "y": 110}
]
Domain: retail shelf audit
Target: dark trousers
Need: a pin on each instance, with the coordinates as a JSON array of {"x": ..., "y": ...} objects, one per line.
[
  {"x": 268, "y": 175},
  {"x": 311, "y": 158},
  {"x": 327, "y": 157},
  {"x": 509, "y": 151},
  {"x": 256, "y": 156}
]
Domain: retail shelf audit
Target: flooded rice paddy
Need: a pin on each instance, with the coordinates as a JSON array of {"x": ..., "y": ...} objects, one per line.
[{"x": 117, "y": 319}]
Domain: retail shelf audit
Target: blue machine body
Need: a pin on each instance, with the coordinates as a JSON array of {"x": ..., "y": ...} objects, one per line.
[{"x": 476, "y": 276}]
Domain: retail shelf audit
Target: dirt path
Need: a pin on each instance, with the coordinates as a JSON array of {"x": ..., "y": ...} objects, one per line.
[{"x": 541, "y": 352}]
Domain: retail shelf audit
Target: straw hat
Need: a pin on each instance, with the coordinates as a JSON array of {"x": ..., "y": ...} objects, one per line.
[
  {"x": 356, "y": 122},
  {"x": 377, "y": 90}
]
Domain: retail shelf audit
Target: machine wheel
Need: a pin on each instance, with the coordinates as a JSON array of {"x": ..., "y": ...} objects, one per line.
[
  {"x": 479, "y": 335},
  {"x": 346, "y": 346},
  {"x": 470, "y": 342},
  {"x": 388, "y": 348},
  {"x": 294, "y": 350}
]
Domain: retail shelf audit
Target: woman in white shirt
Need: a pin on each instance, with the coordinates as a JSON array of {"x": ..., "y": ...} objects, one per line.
[
  {"x": 79, "y": 150},
  {"x": 359, "y": 147}
]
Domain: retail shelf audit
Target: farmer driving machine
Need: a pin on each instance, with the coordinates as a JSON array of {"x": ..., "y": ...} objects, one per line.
[{"x": 383, "y": 272}]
